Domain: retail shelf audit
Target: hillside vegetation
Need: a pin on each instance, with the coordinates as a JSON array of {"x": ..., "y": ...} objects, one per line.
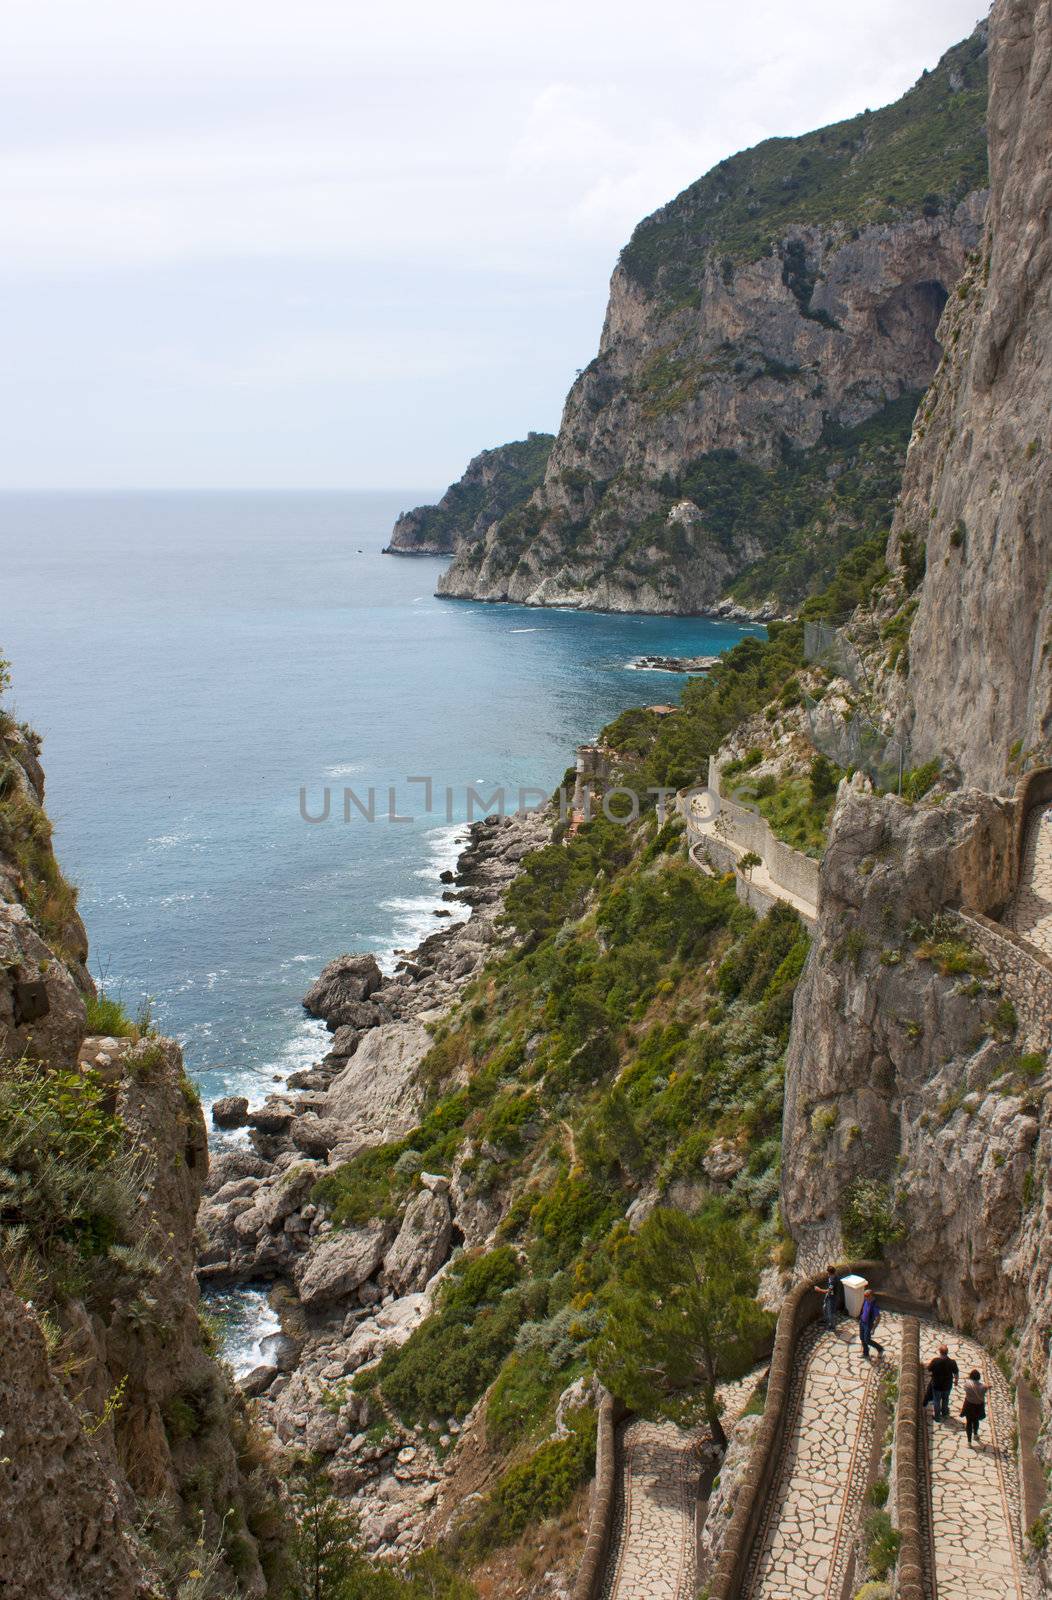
[{"x": 922, "y": 153}]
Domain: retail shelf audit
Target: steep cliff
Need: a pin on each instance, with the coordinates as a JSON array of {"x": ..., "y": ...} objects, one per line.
[
  {"x": 494, "y": 483},
  {"x": 791, "y": 294},
  {"x": 978, "y": 487},
  {"x": 918, "y": 1098},
  {"x": 127, "y": 1462}
]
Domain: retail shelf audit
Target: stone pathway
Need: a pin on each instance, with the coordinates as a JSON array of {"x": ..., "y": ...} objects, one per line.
[
  {"x": 811, "y": 1520},
  {"x": 653, "y": 1552},
  {"x": 974, "y": 1534},
  {"x": 1031, "y": 913}
]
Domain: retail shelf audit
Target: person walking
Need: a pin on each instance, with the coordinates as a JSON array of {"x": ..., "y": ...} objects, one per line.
[
  {"x": 944, "y": 1373},
  {"x": 828, "y": 1291},
  {"x": 868, "y": 1318},
  {"x": 974, "y": 1409}
]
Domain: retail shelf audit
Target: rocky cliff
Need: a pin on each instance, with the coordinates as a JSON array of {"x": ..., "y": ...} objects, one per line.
[
  {"x": 977, "y": 494},
  {"x": 918, "y": 1099},
  {"x": 789, "y": 296},
  {"x": 494, "y": 483},
  {"x": 127, "y": 1462}
]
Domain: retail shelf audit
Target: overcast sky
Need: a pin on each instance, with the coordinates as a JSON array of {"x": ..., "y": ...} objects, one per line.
[{"x": 318, "y": 243}]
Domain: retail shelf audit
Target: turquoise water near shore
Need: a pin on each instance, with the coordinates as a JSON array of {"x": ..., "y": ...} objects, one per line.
[{"x": 194, "y": 660}]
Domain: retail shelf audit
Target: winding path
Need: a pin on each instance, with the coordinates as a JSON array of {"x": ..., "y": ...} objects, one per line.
[
  {"x": 1031, "y": 913},
  {"x": 653, "y": 1554},
  {"x": 807, "y": 1537},
  {"x": 974, "y": 1533}
]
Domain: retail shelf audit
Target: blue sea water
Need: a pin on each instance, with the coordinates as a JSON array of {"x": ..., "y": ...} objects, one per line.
[{"x": 193, "y": 660}]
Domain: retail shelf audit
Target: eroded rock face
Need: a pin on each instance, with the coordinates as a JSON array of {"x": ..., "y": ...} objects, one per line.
[
  {"x": 978, "y": 484},
  {"x": 899, "y": 1069},
  {"x": 41, "y": 1008},
  {"x": 376, "y": 1095},
  {"x": 747, "y": 351},
  {"x": 422, "y": 1244},
  {"x": 62, "y": 1527}
]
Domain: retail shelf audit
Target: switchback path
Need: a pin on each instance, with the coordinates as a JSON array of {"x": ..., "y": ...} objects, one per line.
[
  {"x": 653, "y": 1550},
  {"x": 1031, "y": 913},
  {"x": 812, "y": 1517},
  {"x": 975, "y": 1535}
]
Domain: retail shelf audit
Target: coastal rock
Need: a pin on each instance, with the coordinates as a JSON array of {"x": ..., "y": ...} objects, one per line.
[
  {"x": 257, "y": 1381},
  {"x": 422, "y": 1244},
  {"x": 341, "y": 1263},
  {"x": 343, "y": 984},
  {"x": 377, "y": 1097},
  {"x": 230, "y": 1112}
]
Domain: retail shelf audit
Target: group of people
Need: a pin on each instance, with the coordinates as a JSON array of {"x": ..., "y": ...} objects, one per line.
[
  {"x": 943, "y": 1377},
  {"x": 943, "y": 1372}
]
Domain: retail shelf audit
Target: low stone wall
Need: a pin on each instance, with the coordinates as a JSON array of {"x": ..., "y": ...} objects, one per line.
[
  {"x": 802, "y": 1307},
  {"x": 589, "y": 1581},
  {"x": 1023, "y": 972},
  {"x": 908, "y": 1477}
]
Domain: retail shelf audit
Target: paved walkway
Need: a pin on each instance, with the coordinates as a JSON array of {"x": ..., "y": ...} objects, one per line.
[
  {"x": 812, "y": 1518},
  {"x": 653, "y": 1553},
  {"x": 1031, "y": 913},
  {"x": 975, "y": 1521}
]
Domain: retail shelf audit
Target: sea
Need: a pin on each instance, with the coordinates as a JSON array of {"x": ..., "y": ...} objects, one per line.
[{"x": 212, "y": 673}]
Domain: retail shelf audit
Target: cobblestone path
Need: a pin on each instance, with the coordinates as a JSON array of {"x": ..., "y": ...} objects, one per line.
[
  {"x": 1031, "y": 913},
  {"x": 974, "y": 1529},
  {"x": 806, "y": 1539},
  {"x": 654, "y": 1543}
]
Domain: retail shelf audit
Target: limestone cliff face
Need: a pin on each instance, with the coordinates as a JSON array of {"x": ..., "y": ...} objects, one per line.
[
  {"x": 918, "y": 1066},
  {"x": 494, "y": 483},
  {"x": 119, "y": 1430},
  {"x": 787, "y": 296},
  {"x": 978, "y": 486}
]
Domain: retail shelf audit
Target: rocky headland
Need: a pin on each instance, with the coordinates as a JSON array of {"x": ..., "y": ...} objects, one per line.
[
  {"x": 767, "y": 337},
  {"x": 493, "y": 483}
]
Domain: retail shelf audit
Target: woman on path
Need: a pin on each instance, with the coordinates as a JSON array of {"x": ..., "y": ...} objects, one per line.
[{"x": 974, "y": 1409}]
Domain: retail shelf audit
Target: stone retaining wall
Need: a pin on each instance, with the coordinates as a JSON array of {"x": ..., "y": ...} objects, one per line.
[
  {"x": 908, "y": 1477},
  {"x": 1023, "y": 971},
  {"x": 589, "y": 1581},
  {"x": 802, "y": 1307}
]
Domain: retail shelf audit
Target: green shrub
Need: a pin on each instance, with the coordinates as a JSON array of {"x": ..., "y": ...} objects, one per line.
[
  {"x": 452, "y": 1357},
  {"x": 68, "y": 1186},
  {"x": 882, "y": 1543},
  {"x": 869, "y": 1218}
]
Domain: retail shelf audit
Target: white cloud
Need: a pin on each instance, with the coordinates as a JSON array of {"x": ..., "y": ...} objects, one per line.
[{"x": 324, "y": 197}]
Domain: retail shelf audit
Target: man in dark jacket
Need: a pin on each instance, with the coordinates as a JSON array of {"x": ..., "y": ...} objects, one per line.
[
  {"x": 868, "y": 1318},
  {"x": 944, "y": 1375}
]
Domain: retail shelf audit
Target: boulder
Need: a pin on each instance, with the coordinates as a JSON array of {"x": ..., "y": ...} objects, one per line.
[
  {"x": 342, "y": 1262},
  {"x": 255, "y": 1382},
  {"x": 376, "y": 1096},
  {"x": 272, "y": 1117},
  {"x": 422, "y": 1244},
  {"x": 231, "y": 1111},
  {"x": 345, "y": 982}
]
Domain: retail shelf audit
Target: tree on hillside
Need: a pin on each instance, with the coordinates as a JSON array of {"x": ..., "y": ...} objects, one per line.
[
  {"x": 681, "y": 1316},
  {"x": 748, "y": 861}
]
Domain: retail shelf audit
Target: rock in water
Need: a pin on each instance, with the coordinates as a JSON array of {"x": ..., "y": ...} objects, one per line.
[
  {"x": 343, "y": 984},
  {"x": 230, "y": 1112}
]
